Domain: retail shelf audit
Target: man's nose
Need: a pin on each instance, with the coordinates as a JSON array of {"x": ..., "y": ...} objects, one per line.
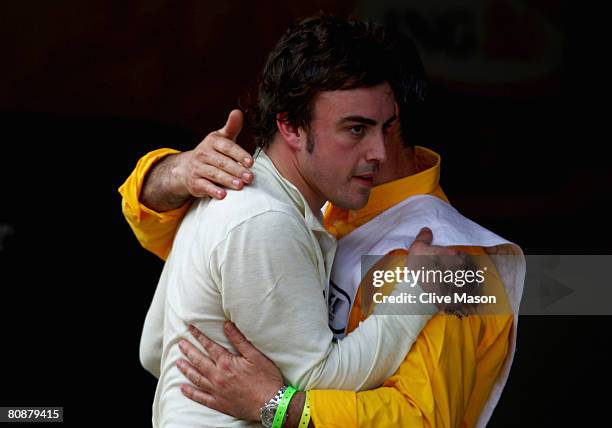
[{"x": 377, "y": 148}]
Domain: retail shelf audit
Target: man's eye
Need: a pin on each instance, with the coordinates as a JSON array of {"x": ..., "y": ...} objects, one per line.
[{"x": 357, "y": 131}]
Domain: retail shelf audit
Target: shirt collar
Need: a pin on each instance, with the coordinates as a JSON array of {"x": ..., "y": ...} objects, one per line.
[
  {"x": 340, "y": 221},
  {"x": 313, "y": 221},
  {"x": 386, "y": 195}
]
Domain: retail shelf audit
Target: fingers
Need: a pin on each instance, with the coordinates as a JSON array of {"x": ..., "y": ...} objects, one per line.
[
  {"x": 240, "y": 342},
  {"x": 200, "y": 187},
  {"x": 229, "y": 148},
  {"x": 194, "y": 376},
  {"x": 215, "y": 351},
  {"x": 423, "y": 245},
  {"x": 425, "y": 236},
  {"x": 221, "y": 162},
  {"x": 213, "y": 152},
  {"x": 199, "y": 396},
  {"x": 228, "y": 165},
  {"x": 233, "y": 126},
  {"x": 422, "y": 242},
  {"x": 200, "y": 361},
  {"x": 218, "y": 177}
]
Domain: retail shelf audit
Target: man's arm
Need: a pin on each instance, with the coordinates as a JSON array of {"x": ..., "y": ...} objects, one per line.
[
  {"x": 445, "y": 379},
  {"x": 273, "y": 292},
  {"x": 239, "y": 386},
  {"x": 163, "y": 187},
  {"x": 157, "y": 194},
  {"x": 272, "y": 289},
  {"x": 250, "y": 372},
  {"x": 154, "y": 230}
]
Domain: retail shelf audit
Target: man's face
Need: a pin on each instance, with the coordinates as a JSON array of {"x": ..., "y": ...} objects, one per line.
[{"x": 347, "y": 135}]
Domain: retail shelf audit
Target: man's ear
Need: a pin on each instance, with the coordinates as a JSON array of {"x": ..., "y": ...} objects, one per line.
[{"x": 292, "y": 135}]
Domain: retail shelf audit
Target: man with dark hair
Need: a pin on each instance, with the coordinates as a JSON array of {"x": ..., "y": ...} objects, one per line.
[
  {"x": 262, "y": 258},
  {"x": 322, "y": 53},
  {"x": 317, "y": 131}
]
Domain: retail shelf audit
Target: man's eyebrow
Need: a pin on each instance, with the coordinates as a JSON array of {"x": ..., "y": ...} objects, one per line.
[
  {"x": 389, "y": 121},
  {"x": 364, "y": 120},
  {"x": 358, "y": 119}
]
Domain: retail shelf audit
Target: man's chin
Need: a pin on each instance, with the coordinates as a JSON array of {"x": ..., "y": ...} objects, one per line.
[{"x": 357, "y": 200}]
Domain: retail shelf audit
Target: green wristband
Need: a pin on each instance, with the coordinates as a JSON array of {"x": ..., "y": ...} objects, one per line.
[
  {"x": 279, "y": 416},
  {"x": 305, "y": 419}
]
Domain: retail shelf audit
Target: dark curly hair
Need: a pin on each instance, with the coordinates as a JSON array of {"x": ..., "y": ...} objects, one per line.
[{"x": 327, "y": 53}]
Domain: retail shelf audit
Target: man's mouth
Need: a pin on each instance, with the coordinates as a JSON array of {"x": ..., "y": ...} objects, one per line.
[{"x": 366, "y": 180}]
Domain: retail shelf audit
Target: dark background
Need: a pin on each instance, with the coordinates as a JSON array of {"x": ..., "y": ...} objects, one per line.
[{"x": 86, "y": 88}]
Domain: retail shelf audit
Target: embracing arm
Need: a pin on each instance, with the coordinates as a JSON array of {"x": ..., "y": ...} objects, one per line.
[
  {"x": 159, "y": 191},
  {"x": 428, "y": 389},
  {"x": 154, "y": 230},
  {"x": 445, "y": 379},
  {"x": 273, "y": 292}
]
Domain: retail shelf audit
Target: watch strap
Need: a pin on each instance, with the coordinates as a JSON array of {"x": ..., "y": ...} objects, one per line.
[{"x": 281, "y": 411}]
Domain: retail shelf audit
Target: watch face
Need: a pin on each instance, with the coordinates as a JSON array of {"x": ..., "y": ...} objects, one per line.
[{"x": 267, "y": 415}]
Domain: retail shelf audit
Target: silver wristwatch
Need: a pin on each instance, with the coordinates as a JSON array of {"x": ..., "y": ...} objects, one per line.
[{"x": 267, "y": 412}]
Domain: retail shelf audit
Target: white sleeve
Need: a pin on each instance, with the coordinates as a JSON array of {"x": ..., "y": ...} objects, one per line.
[
  {"x": 152, "y": 337},
  {"x": 272, "y": 289}
]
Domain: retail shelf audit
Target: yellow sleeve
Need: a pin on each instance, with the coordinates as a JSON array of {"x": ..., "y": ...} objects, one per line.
[
  {"x": 155, "y": 231},
  {"x": 333, "y": 408},
  {"x": 381, "y": 407},
  {"x": 444, "y": 381},
  {"x": 431, "y": 388}
]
